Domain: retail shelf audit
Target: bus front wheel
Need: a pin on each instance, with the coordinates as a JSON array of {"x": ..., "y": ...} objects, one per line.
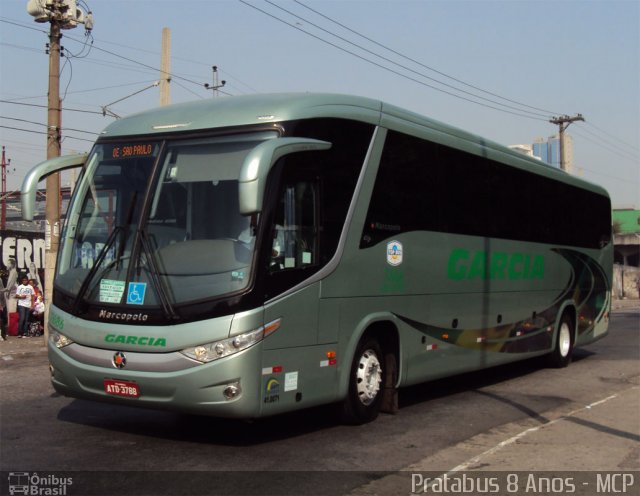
[
  {"x": 364, "y": 398},
  {"x": 561, "y": 355}
]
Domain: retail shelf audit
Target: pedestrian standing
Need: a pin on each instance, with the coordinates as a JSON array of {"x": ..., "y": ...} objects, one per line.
[
  {"x": 24, "y": 295},
  {"x": 36, "y": 291}
]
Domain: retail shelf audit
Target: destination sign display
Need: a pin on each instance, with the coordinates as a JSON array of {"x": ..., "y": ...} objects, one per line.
[{"x": 132, "y": 151}]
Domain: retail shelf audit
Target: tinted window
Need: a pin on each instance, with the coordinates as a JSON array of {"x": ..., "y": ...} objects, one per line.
[
  {"x": 426, "y": 186},
  {"x": 310, "y": 204}
]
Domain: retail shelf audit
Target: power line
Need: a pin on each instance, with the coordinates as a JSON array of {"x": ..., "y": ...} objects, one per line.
[
  {"x": 22, "y": 120},
  {"x": 41, "y": 132},
  {"x": 420, "y": 63},
  {"x": 617, "y": 178},
  {"x": 635, "y": 147},
  {"x": 616, "y": 151},
  {"x": 183, "y": 59},
  {"x": 406, "y": 68},
  {"x": 187, "y": 89},
  {"x": 138, "y": 63},
  {"x": 26, "y": 26},
  {"x": 156, "y": 69},
  {"x": 21, "y": 47},
  {"x": 44, "y": 125},
  {"x": 386, "y": 59},
  {"x": 632, "y": 155},
  {"x": 389, "y": 69},
  {"x": 45, "y": 106}
]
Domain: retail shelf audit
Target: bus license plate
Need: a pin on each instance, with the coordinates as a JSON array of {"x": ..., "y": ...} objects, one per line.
[{"x": 121, "y": 388}]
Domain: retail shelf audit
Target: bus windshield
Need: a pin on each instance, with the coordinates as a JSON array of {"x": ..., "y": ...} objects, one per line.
[{"x": 157, "y": 223}]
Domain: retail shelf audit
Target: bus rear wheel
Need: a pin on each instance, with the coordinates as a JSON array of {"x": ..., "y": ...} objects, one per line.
[
  {"x": 561, "y": 355},
  {"x": 364, "y": 398}
]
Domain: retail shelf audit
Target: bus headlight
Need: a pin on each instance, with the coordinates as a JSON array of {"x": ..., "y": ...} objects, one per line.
[
  {"x": 59, "y": 340},
  {"x": 219, "y": 349}
]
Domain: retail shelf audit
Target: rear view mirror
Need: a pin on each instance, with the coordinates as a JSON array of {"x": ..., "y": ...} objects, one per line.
[
  {"x": 41, "y": 171},
  {"x": 256, "y": 167}
]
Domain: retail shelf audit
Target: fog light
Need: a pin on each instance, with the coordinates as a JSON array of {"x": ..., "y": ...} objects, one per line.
[
  {"x": 232, "y": 391},
  {"x": 52, "y": 370}
]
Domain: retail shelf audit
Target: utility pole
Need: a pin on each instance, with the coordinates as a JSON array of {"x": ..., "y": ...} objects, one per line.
[
  {"x": 52, "y": 204},
  {"x": 216, "y": 83},
  {"x": 60, "y": 14},
  {"x": 563, "y": 122},
  {"x": 5, "y": 164},
  {"x": 165, "y": 68}
]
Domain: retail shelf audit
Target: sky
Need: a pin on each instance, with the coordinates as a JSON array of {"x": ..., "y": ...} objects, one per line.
[{"x": 499, "y": 69}]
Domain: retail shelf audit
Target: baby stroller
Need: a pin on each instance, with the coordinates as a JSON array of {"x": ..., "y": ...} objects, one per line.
[{"x": 36, "y": 328}]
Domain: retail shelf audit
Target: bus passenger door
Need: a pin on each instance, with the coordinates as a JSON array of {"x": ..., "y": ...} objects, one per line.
[
  {"x": 293, "y": 242},
  {"x": 291, "y": 358}
]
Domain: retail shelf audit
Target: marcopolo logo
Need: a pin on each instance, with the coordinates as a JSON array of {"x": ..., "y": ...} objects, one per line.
[
  {"x": 124, "y": 316},
  {"x": 38, "y": 485},
  {"x": 465, "y": 264}
]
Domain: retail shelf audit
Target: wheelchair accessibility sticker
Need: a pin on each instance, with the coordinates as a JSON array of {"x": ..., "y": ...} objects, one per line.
[{"x": 135, "y": 294}]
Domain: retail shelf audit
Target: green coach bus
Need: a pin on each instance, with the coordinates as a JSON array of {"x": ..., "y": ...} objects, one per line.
[{"x": 248, "y": 256}]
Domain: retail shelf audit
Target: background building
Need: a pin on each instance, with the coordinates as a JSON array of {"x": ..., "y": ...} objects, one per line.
[
  {"x": 626, "y": 269},
  {"x": 524, "y": 149},
  {"x": 549, "y": 151}
]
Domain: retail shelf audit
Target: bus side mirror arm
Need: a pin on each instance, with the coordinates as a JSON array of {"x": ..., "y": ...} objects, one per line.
[
  {"x": 38, "y": 173},
  {"x": 256, "y": 167}
]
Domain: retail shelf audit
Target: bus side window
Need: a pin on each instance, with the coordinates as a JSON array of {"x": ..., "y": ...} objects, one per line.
[{"x": 295, "y": 230}]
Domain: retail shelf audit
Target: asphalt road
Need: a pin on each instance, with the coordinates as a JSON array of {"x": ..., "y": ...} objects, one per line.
[{"x": 132, "y": 451}]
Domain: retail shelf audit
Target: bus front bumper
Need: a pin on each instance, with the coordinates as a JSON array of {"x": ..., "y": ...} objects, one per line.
[{"x": 227, "y": 387}]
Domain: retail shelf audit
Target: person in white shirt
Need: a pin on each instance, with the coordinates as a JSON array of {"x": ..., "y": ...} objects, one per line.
[{"x": 24, "y": 295}]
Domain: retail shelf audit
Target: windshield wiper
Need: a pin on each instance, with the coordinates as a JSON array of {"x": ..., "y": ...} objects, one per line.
[
  {"x": 107, "y": 246},
  {"x": 96, "y": 266},
  {"x": 167, "y": 308}
]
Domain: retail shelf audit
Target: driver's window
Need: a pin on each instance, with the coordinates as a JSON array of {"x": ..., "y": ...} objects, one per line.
[{"x": 295, "y": 232}]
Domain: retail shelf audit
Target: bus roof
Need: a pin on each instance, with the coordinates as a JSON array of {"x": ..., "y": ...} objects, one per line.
[{"x": 272, "y": 108}]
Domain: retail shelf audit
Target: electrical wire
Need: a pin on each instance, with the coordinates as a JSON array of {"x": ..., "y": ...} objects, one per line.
[
  {"x": 42, "y": 132},
  {"x": 635, "y": 147},
  {"x": 67, "y": 61},
  {"x": 44, "y": 125},
  {"x": 612, "y": 148},
  {"x": 20, "y": 47},
  {"x": 406, "y": 68},
  {"x": 156, "y": 69},
  {"x": 22, "y": 25},
  {"x": 45, "y": 106},
  {"x": 606, "y": 142},
  {"x": 187, "y": 89},
  {"x": 616, "y": 151},
  {"x": 94, "y": 47},
  {"x": 393, "y": 71},
  {"x": 422, "y": 64}
]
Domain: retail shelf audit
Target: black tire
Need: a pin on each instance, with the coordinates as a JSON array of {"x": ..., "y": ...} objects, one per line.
[
  {"x": 366, "y": 382},
  {"x": 562, "y": 352}
]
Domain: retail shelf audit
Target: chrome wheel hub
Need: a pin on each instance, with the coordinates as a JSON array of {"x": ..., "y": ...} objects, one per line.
[
  {"x": 368, "y": 377},
  {"x": 564, "y": 340}
]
